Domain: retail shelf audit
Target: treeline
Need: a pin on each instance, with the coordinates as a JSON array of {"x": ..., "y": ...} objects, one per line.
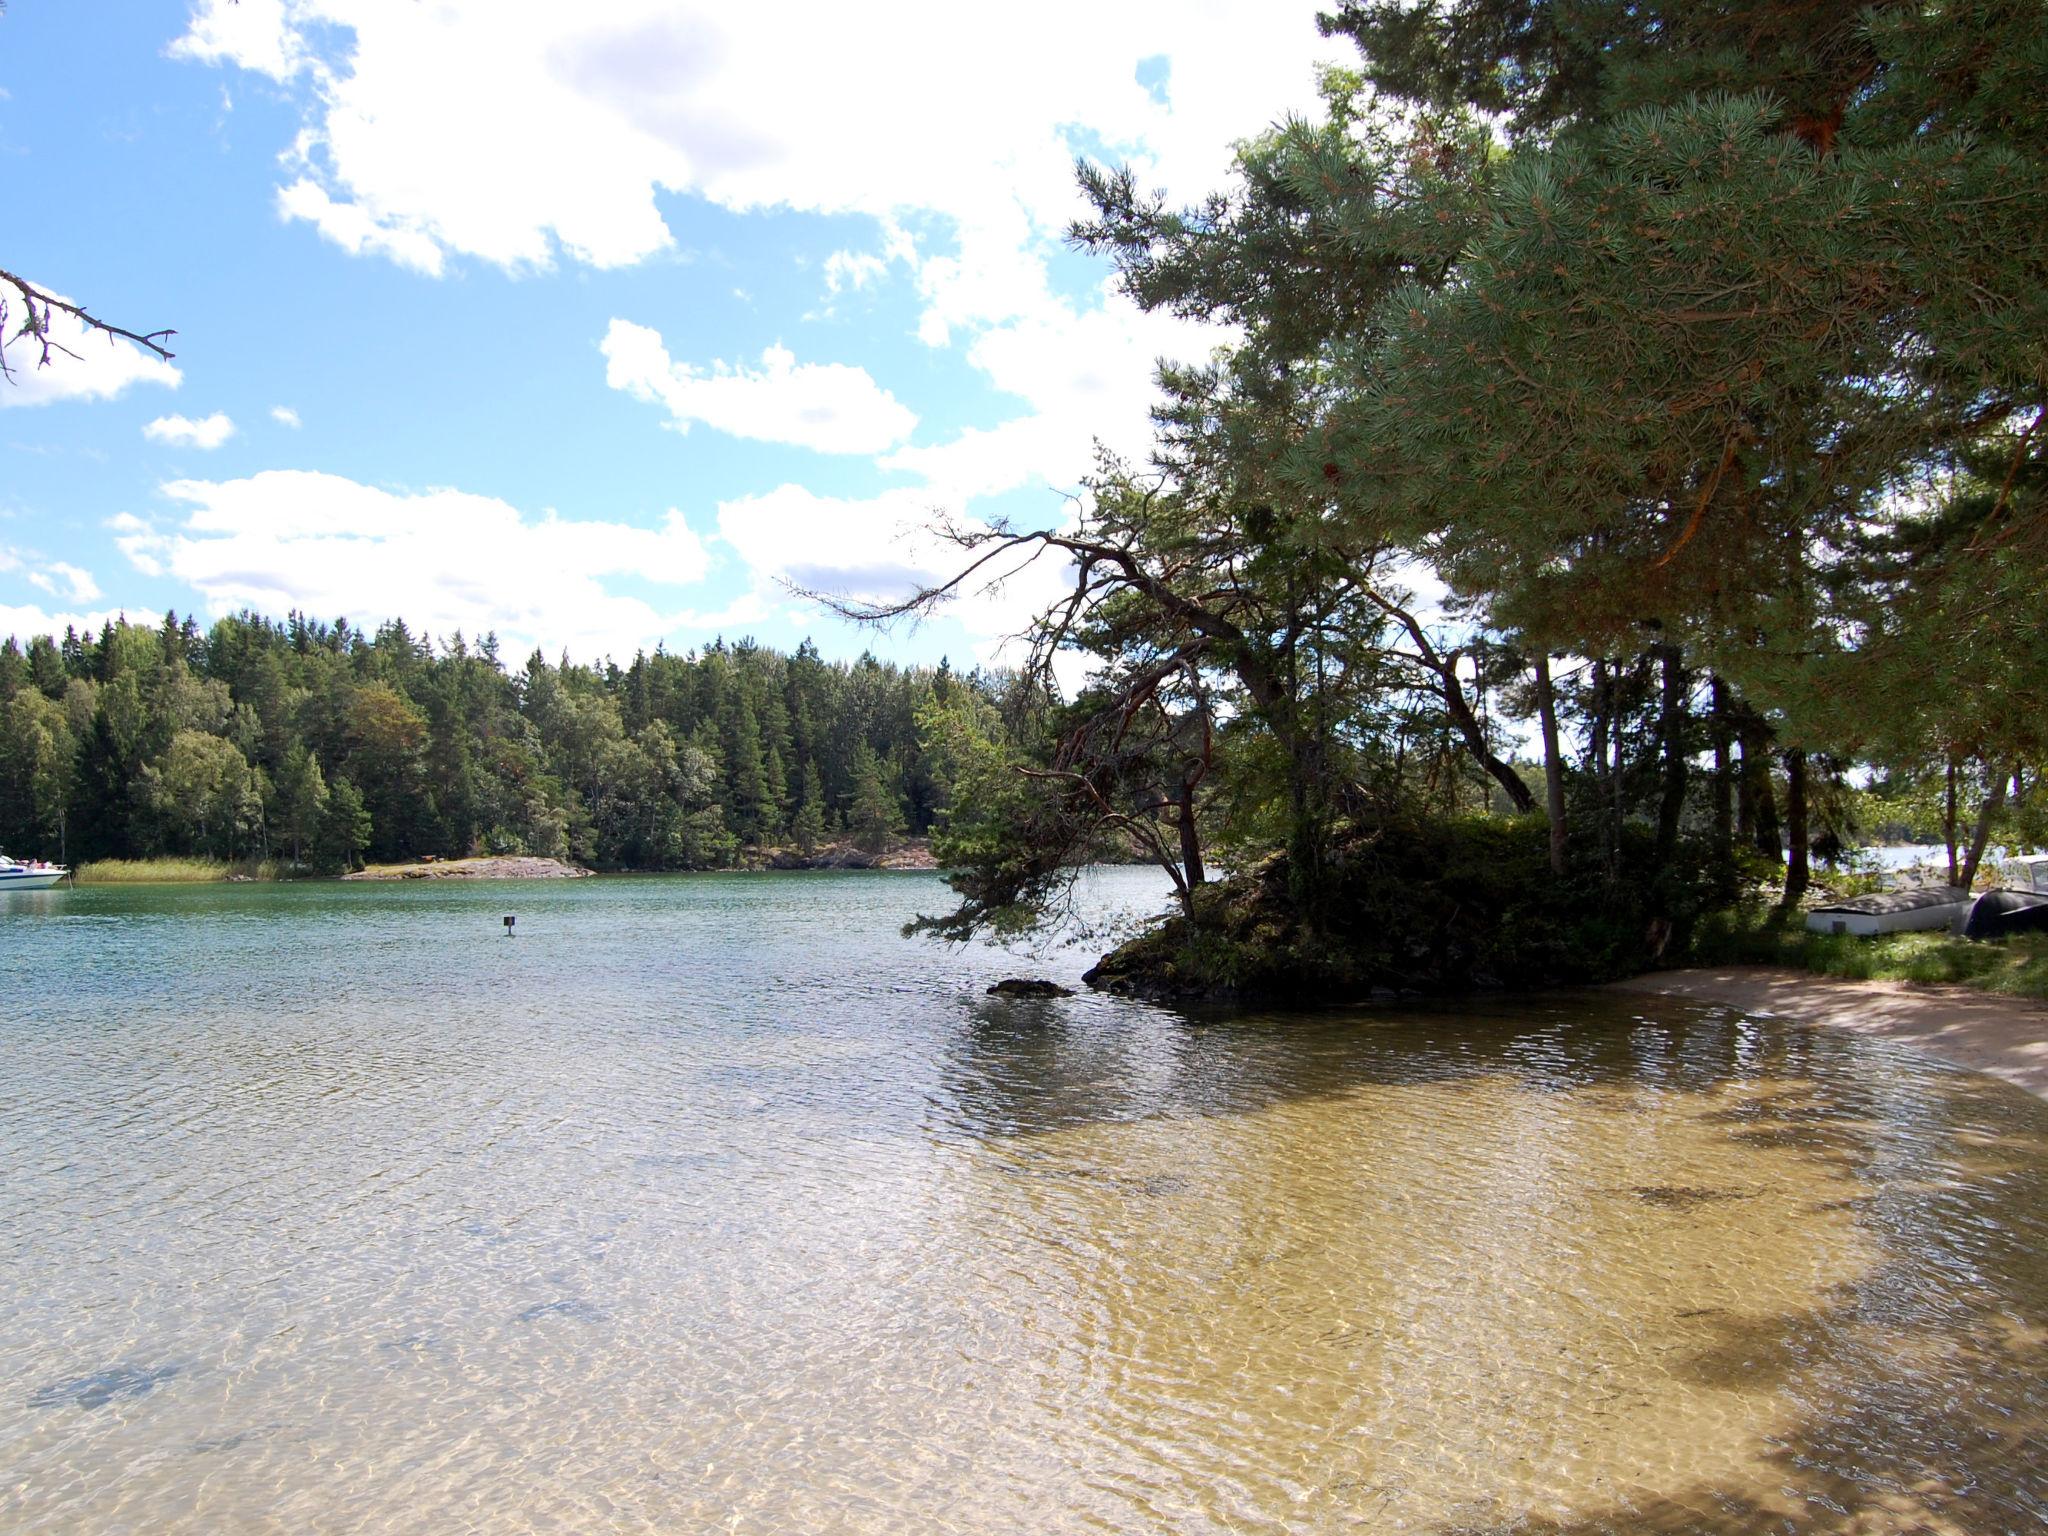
[{"x": 328, "y": 745}]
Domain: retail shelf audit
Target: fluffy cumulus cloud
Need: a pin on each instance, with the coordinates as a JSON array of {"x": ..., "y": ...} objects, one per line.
[
  {"x": 84, "y": 364},
  {"x": 831, "y": 407},
  {"x": 517, "y": 130},
  {"x": 530, "y": 134},
  {"x": 256, "y": 34},
  {"x": 60, "y": 578},
  {"x": 445, "y": 559},
  {"x": 207, "y": 432},
  {"x": 285, "y": 416}
]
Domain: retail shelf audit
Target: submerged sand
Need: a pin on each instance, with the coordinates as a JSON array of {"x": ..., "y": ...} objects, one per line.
[{"x": 2006, "y": 1037}]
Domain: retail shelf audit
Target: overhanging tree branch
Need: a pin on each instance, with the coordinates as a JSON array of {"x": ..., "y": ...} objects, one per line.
[{"x": 41, "y": 307}]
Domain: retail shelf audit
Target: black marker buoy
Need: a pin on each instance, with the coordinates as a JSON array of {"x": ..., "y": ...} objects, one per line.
[{"x": 509, "y": 921}]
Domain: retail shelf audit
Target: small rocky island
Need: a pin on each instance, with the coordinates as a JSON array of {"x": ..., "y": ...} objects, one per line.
[{"x": 508, "y": 867}]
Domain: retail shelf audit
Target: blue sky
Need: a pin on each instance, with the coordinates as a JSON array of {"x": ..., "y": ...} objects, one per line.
[{"x": 590, "y": 325}]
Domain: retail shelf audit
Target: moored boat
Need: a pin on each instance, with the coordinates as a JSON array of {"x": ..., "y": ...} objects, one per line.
[
  {"x": 33, "y": 876},
  {"x": 1915, "y": 908}
]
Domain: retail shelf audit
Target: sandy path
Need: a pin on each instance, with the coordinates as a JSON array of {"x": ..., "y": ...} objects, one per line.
[{"x": 2004, "y": 1036}]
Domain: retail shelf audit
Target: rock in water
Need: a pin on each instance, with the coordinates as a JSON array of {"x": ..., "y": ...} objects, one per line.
[{"x": 1024, "y": 986}]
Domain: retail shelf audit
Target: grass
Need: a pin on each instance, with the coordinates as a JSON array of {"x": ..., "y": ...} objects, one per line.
[
  {"x": 2013, "y": 967},
  {"x": 172, "y": 871}
]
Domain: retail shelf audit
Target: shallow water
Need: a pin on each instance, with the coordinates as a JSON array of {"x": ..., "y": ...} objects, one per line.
[{"x": 711, "y": 1204}]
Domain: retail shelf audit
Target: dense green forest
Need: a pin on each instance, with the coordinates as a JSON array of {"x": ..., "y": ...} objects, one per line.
[{"x": 326, "y": 745}]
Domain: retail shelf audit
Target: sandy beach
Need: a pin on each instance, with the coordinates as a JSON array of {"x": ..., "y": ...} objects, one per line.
[{"x": 2006, "y": 1037}]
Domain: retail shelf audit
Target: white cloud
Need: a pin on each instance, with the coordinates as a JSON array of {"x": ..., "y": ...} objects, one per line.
[
  {"x": 831, "y": 407},
  {"x": 99, "y": 366},
  {"x": 514, "y": 130},
  {"x": 1083, "y": 373},
  {"x": 205, "y": 433},
  {"x": 23, "y": 623},
  {"x": 853, "y": 270},
  {"x": 59, "y": 578},
  {"x": 525, "y": 132},
  {"x": 285, "y": 416},
  {"x": 356, "y": 229},
  {"x": 256, "y": 34},
  {"x": 442, "y": 560},
  {"x": 78, "y": 584},
  {"x": 139, "y": 541}
]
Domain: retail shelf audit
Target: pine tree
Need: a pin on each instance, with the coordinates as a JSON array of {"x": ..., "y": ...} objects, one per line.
[
  {"x": 809, "y": 826},
  {"x": 344, "y": 830},
  {"x": 875, "y": 816},
  {"x": 301, "y": 799},
  {"x": 746, "y": 773}
]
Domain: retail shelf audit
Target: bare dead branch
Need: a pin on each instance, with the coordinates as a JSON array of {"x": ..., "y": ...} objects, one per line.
[{"x": 41, "y": 307}]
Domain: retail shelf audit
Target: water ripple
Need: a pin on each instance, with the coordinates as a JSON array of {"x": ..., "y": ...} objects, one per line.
[{"x": 713, "y": 1204}]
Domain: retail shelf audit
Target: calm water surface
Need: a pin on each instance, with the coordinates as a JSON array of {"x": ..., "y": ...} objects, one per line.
[{"x": 709, "y": 1204}]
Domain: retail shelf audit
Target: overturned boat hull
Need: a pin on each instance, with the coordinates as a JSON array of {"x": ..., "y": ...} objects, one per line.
[
  {"x": 1927, "y": 906},
  {"x": 1999, "y": 913}
]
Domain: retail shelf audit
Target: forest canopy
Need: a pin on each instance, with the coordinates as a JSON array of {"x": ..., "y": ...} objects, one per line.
[{"x": 326, "y": 745}]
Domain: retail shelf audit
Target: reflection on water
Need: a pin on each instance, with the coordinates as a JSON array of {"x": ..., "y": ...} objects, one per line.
[{"x": 710, "y": 1205}]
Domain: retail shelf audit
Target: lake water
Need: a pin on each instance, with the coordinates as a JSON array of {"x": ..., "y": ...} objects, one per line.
[{"x": 711, "y": 1204}]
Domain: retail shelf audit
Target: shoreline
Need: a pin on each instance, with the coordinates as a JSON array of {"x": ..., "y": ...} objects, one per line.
[
  {"x": 2003, "y": 1037},
  {"x": 489, "y": 867}
]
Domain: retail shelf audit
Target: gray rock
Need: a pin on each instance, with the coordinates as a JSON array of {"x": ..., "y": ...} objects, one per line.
[{"x": 1024, "y": 986}]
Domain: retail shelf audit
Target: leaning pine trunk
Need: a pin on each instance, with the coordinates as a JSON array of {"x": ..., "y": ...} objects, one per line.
[
  {"x": 1553, "y": 762},
  {"x": 1993, "y": 804},
  {"x": 1190, "y": 845}
]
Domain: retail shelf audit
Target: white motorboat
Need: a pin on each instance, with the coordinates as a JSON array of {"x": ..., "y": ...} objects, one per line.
[{"x": 33, "y": 876}]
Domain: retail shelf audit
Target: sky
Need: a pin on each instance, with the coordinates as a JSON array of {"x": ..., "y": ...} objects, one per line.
[{"x": 596, "y": 326}]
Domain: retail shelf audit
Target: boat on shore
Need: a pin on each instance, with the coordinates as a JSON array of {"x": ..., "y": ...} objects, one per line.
[
  {"x": 2019, "y": 907},
  {"x": 32, "y": 876},
  {"x": 1907, "y": 911}
]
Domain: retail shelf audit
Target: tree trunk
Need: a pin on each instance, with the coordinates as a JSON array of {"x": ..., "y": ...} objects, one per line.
[
  {"x": 1797, "y": 874},
  {"x": 1994, "y": 802},
  {"x": 1671, "y": 724},
  {"x": 1724, "y": 787},
  {"x": 1618, "y": 739},
  {"x": 1474, "y": 735},
  {"x": 1948, "y": 825},
  {"x": 1758, "y": 795},
  {"x": 1553, "y": 762},
  {"x": 1602, "y": 702},
  {"x": 1190, "y": 843},
  {"x": 1445, "y": 667}
]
